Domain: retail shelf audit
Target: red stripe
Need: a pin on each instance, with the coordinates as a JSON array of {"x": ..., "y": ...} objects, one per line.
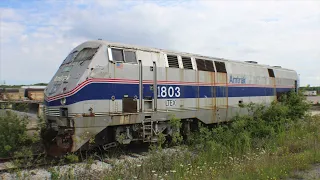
[{"x": 70, "y": 92}]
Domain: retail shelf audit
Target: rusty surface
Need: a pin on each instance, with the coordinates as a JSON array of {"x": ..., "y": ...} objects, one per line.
[
  {"x": 129, "y": 105},
  {"x": 50, "y": 142}
]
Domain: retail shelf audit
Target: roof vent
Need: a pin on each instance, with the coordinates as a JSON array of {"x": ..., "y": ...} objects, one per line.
[{"x": 253, "y": 62}]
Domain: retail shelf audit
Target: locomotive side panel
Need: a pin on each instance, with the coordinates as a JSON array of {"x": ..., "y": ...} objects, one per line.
[
  {"x": 285, "y": 80},
  {"x": 102, "y": 95},
  {"x": 170, "y": 91},
  {"x": 247, "y": 83},
  {"x": 161, "y": 78},
  {"x": 204, "y": 97},
  {"x": 189, "y": 91},
  {"x": 221, "y": 91}
]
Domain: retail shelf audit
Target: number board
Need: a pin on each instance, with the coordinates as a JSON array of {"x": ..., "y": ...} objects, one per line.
[{"x": 168, "y": 91}]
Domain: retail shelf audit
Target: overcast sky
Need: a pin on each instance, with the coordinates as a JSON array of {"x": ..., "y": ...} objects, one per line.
[{"x": 37, "y": 35}]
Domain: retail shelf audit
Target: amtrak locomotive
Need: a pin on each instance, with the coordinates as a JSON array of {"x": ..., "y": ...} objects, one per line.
[{"x": 108, "y": 93}]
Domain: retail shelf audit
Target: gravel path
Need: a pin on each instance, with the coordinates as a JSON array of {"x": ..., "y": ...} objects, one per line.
[
  {"x": 96, "y": 171},
  {"x": 313, "y": 173}
]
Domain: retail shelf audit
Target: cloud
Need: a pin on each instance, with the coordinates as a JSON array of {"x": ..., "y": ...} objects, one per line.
[{"x": 269, "y": 32}]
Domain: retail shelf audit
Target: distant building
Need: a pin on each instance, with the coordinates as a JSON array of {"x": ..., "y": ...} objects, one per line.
[
  {"x": 33, "y": 87},
  {"x": 23, "y": 93},
  {"x": 10, "y": 94},
  {"x": 310, "y": 93}
]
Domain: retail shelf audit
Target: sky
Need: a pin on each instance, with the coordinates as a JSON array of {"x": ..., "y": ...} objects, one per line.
[{"x": 37, "y": 35}]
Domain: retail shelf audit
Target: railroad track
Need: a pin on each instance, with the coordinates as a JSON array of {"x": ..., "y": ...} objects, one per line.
[
  {"x": 7, "y": 159},
  {"x": 42, "y": 160},
  {"x": 12, "y": 163}
]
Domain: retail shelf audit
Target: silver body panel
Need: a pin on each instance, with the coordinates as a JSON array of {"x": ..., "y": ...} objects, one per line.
[{"x": 102, "y": 71}]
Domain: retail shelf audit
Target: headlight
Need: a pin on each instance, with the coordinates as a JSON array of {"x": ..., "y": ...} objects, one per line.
[{"x": 63, "y": 101}]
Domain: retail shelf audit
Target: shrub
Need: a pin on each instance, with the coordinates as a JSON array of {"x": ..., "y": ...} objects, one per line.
[
  {"x": 296, "y": 103},
  {"x": 13, "y": 134},
  {"x": 262, "y": 124}
]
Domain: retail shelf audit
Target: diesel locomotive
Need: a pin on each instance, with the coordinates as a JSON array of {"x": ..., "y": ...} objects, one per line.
[{"x": 107, "y": 93}]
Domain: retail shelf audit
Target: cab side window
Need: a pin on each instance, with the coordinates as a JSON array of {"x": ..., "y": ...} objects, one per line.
[
  {"x": 124, "y": 55},
  {"x": 117, "y": 55},
  {"x": 130, "y": 56}
]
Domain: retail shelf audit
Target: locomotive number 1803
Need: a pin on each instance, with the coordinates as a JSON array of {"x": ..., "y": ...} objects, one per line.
[{"x": 168, "y": 91}]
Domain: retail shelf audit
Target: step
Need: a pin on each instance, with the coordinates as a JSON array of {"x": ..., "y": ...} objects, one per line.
[
  {"x": 150, "y": 140},
  {"x": 147, "y": 120}
]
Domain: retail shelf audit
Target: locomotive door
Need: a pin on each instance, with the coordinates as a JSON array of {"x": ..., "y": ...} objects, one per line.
[
  {"x": 147, "y": 87},
  {"x": 221, "y": 91}
]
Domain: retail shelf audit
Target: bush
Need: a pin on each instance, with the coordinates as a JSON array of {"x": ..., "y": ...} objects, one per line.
[
  {"x": 251, "y": 131},
  {"x": 296, "y": 103},
  {"x": 13, "y": 134}
]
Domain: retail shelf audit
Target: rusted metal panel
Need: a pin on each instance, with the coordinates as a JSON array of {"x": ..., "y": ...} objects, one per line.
[
  {"x": 198, "y": 89},
  {"x": 129, "y": 105},
  {"x": 208, "y": 82},
  {"x": 274, "y": 86},
  {"x": 222, "y": 95},
  {"x": 213, "y": 99}
]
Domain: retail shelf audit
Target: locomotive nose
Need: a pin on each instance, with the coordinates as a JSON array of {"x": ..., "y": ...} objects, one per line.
[{"x": 54, "y": 144}]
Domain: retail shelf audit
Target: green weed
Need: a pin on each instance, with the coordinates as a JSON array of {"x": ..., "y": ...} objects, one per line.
[{"x": 270, "y": 142}]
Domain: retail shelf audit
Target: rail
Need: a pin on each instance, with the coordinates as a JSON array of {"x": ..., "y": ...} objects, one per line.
[{"x": 20, "y": 101}]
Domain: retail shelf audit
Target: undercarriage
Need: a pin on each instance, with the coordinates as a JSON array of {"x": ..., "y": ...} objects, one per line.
[{"x": 61, "y": 140}]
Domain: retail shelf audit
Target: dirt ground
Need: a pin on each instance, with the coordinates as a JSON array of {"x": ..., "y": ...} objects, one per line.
[
  {"x": 313, "y": 99},
  {"x": 313, "y": 173},
  {"x": 315, "y": 110}
]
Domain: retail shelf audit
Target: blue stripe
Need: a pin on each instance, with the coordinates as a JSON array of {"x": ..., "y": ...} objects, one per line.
[
  {"x": 96, "y": 91},
  {"x": 281, "y": 90}
]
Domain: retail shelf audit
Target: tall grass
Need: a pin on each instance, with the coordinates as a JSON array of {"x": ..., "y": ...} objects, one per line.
[{"x": 271, "y": 142}]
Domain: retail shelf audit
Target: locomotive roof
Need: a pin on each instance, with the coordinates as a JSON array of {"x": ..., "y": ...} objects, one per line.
[{"x": 151, "y": 49}]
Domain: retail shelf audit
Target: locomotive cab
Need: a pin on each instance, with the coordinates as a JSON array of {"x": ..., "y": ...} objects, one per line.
[{"x": 74, "y": 71}]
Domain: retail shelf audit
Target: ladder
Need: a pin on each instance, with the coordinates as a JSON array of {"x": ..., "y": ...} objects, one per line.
[{"x": 147, "y": 126}]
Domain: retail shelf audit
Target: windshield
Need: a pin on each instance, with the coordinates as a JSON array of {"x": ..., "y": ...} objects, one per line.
[
  {"x": 85, "y": 54},
  {"x": 54, "y": 88},
  {"x": 69, "y": 58},
  {"x": 67, "y": 69}
]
